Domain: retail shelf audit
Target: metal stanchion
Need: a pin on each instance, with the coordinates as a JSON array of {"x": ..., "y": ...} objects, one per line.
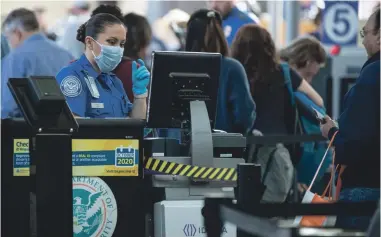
[
  {"x": 14, "y": 185},
  {"x": 249, "y": 189},
  {"x": 53, "y": 185},
  {"x": 212, "y": 218}
]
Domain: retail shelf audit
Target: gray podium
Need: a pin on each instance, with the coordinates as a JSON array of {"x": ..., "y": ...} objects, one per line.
[{"x": 180, "y": 213}]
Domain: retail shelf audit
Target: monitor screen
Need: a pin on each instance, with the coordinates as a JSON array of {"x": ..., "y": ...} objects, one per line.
[{"x": 178, "y": 78}]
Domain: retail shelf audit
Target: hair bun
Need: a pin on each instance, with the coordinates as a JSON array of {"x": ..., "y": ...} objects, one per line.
[{"x": 81, "y": 33}]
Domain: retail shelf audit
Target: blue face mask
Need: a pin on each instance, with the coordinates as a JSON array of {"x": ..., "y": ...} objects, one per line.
[{"x": 109, "y": 57}]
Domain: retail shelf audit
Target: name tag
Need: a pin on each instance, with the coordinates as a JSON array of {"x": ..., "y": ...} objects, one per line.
[{"x": 97, "y": 106}]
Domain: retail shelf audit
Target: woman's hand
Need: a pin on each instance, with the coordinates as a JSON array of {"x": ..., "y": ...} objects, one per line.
[
  {"x": 324, "y": 128},
  {"x": 302, "y": 187},
  {"x": 140, "y": 78}
]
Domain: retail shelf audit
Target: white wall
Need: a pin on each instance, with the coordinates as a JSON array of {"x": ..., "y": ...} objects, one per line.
[{"x": 56, "y": 10}]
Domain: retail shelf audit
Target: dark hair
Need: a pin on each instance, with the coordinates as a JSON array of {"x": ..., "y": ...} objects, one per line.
[
  {"x": 109, "y": 9},
  {"x": 111, "y": 3},
  {"x": 139, "y": 34},
  {"x": 23, "y": 18},
  {"x": 302, "y": 50},
  {"x": 205, "y": 34},
  {"x": 96, "y": 25},
  {"x": 255, "y": 49}
]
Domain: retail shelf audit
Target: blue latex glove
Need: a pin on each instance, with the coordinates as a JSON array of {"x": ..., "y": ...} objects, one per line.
[{"x": 140, "y": 77}]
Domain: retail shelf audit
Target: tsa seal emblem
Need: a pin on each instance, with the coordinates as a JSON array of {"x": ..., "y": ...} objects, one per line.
[
  {"x": 71, "y": 86},
  {"x": 94, "y": 208}
]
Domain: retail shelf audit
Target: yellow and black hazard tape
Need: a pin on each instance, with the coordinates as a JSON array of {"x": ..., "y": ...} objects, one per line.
[{"x": 208, "y": 173}]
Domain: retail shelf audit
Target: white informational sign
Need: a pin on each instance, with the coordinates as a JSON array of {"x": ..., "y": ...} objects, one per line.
[{"x": 340, "y": 23}]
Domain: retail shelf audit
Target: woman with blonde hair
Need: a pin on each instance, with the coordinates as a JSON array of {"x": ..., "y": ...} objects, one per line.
[{"x": 305, "y": 55}]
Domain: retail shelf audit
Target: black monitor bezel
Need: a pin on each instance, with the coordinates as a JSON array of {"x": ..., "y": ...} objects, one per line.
[
  {"x": 163, "y": 56},
  {"x": 21, "y": 90}
]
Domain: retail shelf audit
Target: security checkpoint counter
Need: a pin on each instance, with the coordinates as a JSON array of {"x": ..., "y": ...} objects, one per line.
[{"x": 86, "y": 174}]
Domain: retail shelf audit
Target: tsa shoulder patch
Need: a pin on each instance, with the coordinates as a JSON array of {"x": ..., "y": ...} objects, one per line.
[{"x": 71, "y": 86}]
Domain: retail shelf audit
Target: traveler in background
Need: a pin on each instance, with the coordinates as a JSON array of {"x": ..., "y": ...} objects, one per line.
[
  {"x": 139, "y": 35},
  {"x": 89, "y": 85},
  {"x": 4, "y": 46},
  {"x": 235, "y": 106},
  {"x": 235, "y": 111},
  {"x": 357, "y": 143},
  {"x": 32, "y": 54},
  {"x": 79, "y": 15},
  {"x": 232, "y": 17},
  {"x": 306, "y": 56},
  {"x": 255, "y": 49}
]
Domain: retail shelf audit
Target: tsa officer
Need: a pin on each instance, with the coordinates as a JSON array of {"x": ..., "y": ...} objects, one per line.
[
  {"x": 233, "y": 18},
  {"x": 90, "y": 87}
]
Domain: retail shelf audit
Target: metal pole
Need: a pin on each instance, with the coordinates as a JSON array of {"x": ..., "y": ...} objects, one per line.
[
  {"x": 249, "y": 188},
  {"x": 54, "y": 195},
  {"x": 212, "y": 218},
  {"x": 292, "y": 10}
]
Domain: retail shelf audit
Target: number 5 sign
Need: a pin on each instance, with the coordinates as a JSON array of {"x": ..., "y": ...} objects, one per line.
[{"x": 340, "y": 23}]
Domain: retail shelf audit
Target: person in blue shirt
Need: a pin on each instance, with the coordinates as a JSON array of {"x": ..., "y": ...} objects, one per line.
[
  {"x": 232, "y": 17},
  {"x": 357, "y": 140},
  {"x": 4, "y": 46},
  {"x": 32, "y": 54},
  {"x": 90, "y": 87}
]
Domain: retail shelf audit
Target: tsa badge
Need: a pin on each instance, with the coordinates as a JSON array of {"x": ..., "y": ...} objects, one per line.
[
  {"x": 125, "y": 156},
  {"x": 71, "y": 86},
  {"x": 227, "y": 31}
]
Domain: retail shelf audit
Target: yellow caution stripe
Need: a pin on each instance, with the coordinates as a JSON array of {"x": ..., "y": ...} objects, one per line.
[{"x": 172, "y": 168}]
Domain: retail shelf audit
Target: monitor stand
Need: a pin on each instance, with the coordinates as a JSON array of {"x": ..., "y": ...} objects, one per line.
[
  {"x": 183, "y": 188},
  {"x": 184, "y": 195},
  {"x": 201, "y": 135}
]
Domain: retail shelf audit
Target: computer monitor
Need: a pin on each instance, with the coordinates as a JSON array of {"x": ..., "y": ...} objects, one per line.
[
  {"x": 178, "y": 78},
  {"x": 42, "y": 103}
]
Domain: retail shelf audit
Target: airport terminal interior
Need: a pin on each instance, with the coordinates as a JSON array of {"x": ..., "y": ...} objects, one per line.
[{"x": 211, "y": 118}]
